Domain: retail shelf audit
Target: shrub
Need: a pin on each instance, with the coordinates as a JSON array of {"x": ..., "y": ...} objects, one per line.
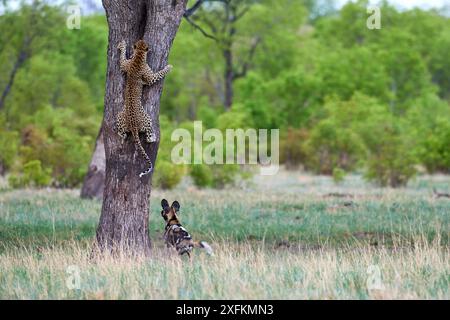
[
  {"x": 167, "y": 175},
  {"x": 8, "y": 149},
  {"x": 202, "y": 175},
  {"x": 332, "y": 145},
  {"x": 391, "y": 158},
  {"x": 60, "y": 148},
  {"x": 335, "y": 141},
  {"x": 217, "y": 176},
  {"x": 33, "y": 176},
  {"x": 225, "y": 175},
  {"x": 428, "y": 121},
  {"x": 338, "y": 175},
  {"x": 435, "y": 148},
  {"x": 292, "y": 148}
]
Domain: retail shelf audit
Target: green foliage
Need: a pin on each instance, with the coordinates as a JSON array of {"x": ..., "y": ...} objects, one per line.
[
  {"x": 429, "y": 125},
  {"x": 338, "y": 175},
  {"x": 362, "y": 133},
  {"x": 202, "y": 175},
  {"x": 435, "y": 150},
  {"x": 391, "y": 160},
  {"x": 208, "y": 116},
  {"x": 167, "y": 175},
  {"x": 50, "y": 104},
  {"x": 88, "y": 49},
  {"x": 332, "y": 145},
  {"x": 293, "y": 151},
  {"x": 344, "y": 97},
  {"x": 217, "y": 176},
  {"x": 234, "y": 119},
  {"x": 335, "y": 141},
  {"x": 225, "y": 175},
  {"x": 33, "y": 176},
  {"x": 9, "y": 145},
  {"x": 55, "y": 140}
]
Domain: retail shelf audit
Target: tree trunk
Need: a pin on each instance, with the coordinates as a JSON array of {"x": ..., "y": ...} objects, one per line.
[
  {"x": 229, "y": 77},
  {"x": 94, "y": 181},
  {"x": 21, "y": 58},
  {"x": 125, "y": 210}
]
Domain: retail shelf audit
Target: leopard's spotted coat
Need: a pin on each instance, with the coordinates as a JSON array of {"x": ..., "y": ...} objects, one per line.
[{"x": 133, "y": 118}]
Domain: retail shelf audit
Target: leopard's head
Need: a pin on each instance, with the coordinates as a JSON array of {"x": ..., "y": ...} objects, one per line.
[
  {"x": 170, "y": 213},
  {"x": 141, "y": 46}
]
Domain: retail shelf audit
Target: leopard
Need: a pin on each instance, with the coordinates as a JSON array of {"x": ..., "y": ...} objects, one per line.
[
  {"x": 175, "y": 235},
  {"x": 133, "y": 118}
]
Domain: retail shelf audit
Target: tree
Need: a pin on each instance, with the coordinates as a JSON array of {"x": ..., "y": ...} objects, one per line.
[
  {"x": 94, "y": 181},
  {"x": 222, "y": 24},
  {"x": 29, "y": 25},
  {"x": 267, "y": 24},
  {"x": 124, "y": 216}
]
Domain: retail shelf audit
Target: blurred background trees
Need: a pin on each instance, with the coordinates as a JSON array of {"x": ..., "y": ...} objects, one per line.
[{"x": 346, "y": 98}]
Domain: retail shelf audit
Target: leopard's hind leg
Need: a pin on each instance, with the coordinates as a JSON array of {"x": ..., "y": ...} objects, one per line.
[
  {"x": 147, "y": 128},
  {"x": 122, "y": 126}
]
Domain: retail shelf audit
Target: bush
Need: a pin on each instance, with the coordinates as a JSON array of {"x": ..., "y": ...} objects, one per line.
[
  {"x": 435, "y": 148},
  {"x": 338, "y": 175},
  {"x": 33, "y": 176},
  {"x": 202, "y": 175},
  {"x": 292, "y": 148},
  {"x": 217, "y": 176},
  {"x": 428, "y": 121},
  {"x": 331, "y": 145},
  {"x": 391, "y": 158},
  {"x": 361, "y": 132},
  {"x": 167, "y": 175},
  {"x": 335, "y": 141},
  {"x": 9, "y": 141},
  {"x": 225, "y": 175},
  {"x": 58, "y": 147}
]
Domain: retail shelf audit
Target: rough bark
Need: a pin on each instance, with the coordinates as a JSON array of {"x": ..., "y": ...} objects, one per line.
[
  {"x": 94, "y": 181},
  {"x": 125, "y": 210}
]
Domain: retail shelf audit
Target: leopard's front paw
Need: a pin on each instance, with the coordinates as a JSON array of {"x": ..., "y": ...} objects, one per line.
[{"x": 122, "y": 45}]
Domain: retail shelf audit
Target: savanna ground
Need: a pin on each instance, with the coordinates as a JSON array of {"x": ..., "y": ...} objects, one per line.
[{"x": 290, "y": 236}]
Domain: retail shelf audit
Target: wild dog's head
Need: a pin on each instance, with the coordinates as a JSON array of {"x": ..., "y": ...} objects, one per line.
[{"x": 170, "y": 213}]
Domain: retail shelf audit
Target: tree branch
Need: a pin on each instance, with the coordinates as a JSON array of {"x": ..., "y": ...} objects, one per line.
[
  {"x": 239, "y": 15},
  {"x": 189, "y": 12},
  {"x": 246, "y": 64},
  {"x": 22, "y": 56},
  {"x": 196, "y": 26}
]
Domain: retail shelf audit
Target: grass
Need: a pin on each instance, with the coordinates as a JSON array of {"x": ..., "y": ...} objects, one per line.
[
  {"x": 282, "y": 237},
  {"x": 237, "y": 271}
]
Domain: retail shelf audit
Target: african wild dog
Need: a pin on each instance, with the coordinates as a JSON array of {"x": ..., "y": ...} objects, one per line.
[{"x": 175, "y": 235}]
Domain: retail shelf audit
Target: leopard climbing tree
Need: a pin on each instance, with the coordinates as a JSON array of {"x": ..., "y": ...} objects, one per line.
[{"x": 125, "y": 210}]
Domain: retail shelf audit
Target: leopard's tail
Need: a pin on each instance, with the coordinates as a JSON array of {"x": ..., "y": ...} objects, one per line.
[
  {"x": 205, "y": 246},
  {"x": 143, "y": 153}
]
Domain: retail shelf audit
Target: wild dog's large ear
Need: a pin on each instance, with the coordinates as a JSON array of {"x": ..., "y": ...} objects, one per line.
[
  {"x": 164, "y": 204},
  {"x": 176, "y": 206}
]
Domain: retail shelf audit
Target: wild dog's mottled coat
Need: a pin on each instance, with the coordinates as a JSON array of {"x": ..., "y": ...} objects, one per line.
[
  {"x": 133, "y": 117},
  {"x": 175, "y": 234}
]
